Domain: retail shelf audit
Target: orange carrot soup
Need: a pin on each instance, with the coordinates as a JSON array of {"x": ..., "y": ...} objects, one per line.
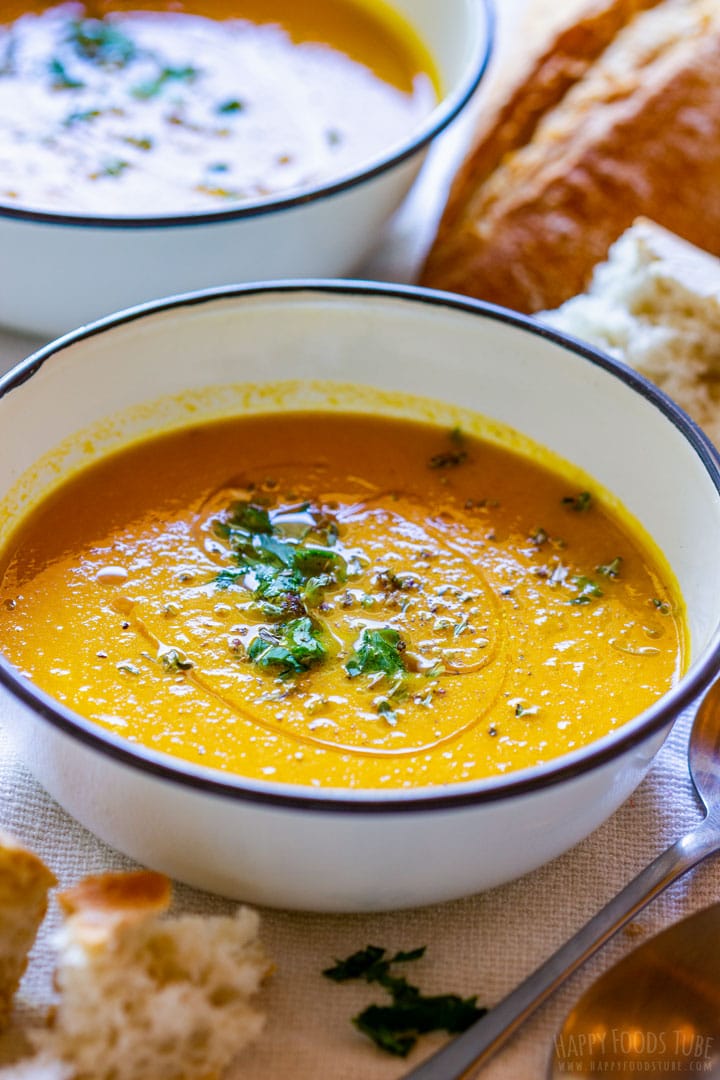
[
  {"x": 339, "y": 600},
  {"x": 174, "y": 107}
]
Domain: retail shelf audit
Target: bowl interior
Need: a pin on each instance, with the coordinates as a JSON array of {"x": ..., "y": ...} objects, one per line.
[
  {"x": 456, "y": 34},
  {"x": 369, "y": 348}
]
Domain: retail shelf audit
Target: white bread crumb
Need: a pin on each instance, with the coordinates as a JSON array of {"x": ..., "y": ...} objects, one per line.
[
  {"x": 142, "y": 997},
  {"x": 655, "y": 305}
]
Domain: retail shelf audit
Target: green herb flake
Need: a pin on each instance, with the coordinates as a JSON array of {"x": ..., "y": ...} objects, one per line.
[
  {"x": 360, "y": 965},
  {"x": 395, "y": 1028},
  {"x": 100, "y": 41},
  {"x": 231, "y": 575},
  {"x": 143, "y": 142},
  {"x": 293, "y": 647},
  {"x": 386, "y": 711},
  {"x": 588, "y": 590},
  {"x": 401, "y": 582},
  {"x": 233, "y": 106},
  {"x": 84, "y": 116},
  {"x": 252, "y": 517},
  {"x": 61, "y": 80},
  {"x": 580, "y": 502},
  {"x": 661, "y": 606},
  {"x": 448, "y": 459},
  {"x": 611, "y": 569},
  {"x": 152, "y": 87},
  {"x": 113, "y": 168},
  {"x": 377, "y": 651}
]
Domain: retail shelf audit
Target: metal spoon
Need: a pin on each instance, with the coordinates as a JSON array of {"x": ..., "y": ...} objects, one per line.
[
  {"x": 464, "y": 1055},
  {"x": 656, "y": 1011}
]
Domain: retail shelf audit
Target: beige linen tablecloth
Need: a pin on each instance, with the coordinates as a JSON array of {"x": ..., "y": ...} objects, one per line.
[{"x": 481, "y": 945}]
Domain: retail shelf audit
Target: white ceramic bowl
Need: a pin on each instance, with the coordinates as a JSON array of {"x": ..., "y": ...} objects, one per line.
[
  {"x": 59, "y": 271},
  {"x": 339, "y": 851}
]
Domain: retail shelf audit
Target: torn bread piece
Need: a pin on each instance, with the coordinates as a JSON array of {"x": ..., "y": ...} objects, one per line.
[
  {"x": 143, "y": 997},
  {"x": 24, "y": 885},
  {"x": 655, "y": 304}
]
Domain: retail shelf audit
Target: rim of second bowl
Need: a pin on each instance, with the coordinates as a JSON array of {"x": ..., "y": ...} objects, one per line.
[
  {"x": 441, "y": 116},
  {"x": 364, "y": 801}
]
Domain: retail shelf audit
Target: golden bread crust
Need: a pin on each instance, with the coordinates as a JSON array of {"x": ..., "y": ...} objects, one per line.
[
  {"x": 24, "y": 885},
  {"x": 638, "y": 134}
]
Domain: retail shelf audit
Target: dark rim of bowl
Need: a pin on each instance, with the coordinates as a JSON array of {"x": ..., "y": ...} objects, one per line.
[
  {"x": 446, "y": 111},
  {"x": 466, "y": 794}
]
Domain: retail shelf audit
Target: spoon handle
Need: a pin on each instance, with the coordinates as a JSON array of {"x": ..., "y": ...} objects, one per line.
[{"x": 461, "y": 1057}]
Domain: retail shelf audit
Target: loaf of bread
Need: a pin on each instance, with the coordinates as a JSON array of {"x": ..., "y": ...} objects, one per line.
[
  {"x": 24, "y": 885},
  {"x": 143, "y": 996},
  {"x": 655, "y": 305},
  {"x": 620, "y": 117}
]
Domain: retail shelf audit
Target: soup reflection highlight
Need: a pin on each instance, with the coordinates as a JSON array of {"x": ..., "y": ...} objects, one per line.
[{"x": 176, "y": 108}]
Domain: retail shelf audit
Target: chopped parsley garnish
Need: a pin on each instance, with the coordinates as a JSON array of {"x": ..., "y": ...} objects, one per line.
[
  {"x": 387, "y": 712},
  {"x": 292, "y": 646},
  {"x": 388, "y": 579},
  {"x": 61, "y": 80},
  {"x": 611, "y": 569},
  {"x": 661, "y": 606},
  {"x": 115, "y": 167},
  {"x": 582, "y": 501},
  {"x": 250, "y": 517},
  {"x": 95, "y": 39},
  {"x": 152, "y": 87},
  {"x": 280, "y": 561},
  {"x": 82, "y": 117},
  {"x": 377, "y": 651},
  {"x": 448, "y": 459},
  {"x": 587, "y": 588},
  {"x": 395, "y": 1028},
  {"x": 233, "y": 106},
  {"x": 141, "y": 142}
]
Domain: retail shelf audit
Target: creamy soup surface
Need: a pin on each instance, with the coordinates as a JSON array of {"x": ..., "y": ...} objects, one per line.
[
  {"x": 338, "y": 600},
  {"x": 162, "y": 111}
]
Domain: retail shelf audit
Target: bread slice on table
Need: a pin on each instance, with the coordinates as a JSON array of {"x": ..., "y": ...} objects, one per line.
[
  {"x": 147, "y": 997},
  {"x": 619, "y": 118},
  {"x": 655, "y": 304},
  {"x": 24, "y": 885}
]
